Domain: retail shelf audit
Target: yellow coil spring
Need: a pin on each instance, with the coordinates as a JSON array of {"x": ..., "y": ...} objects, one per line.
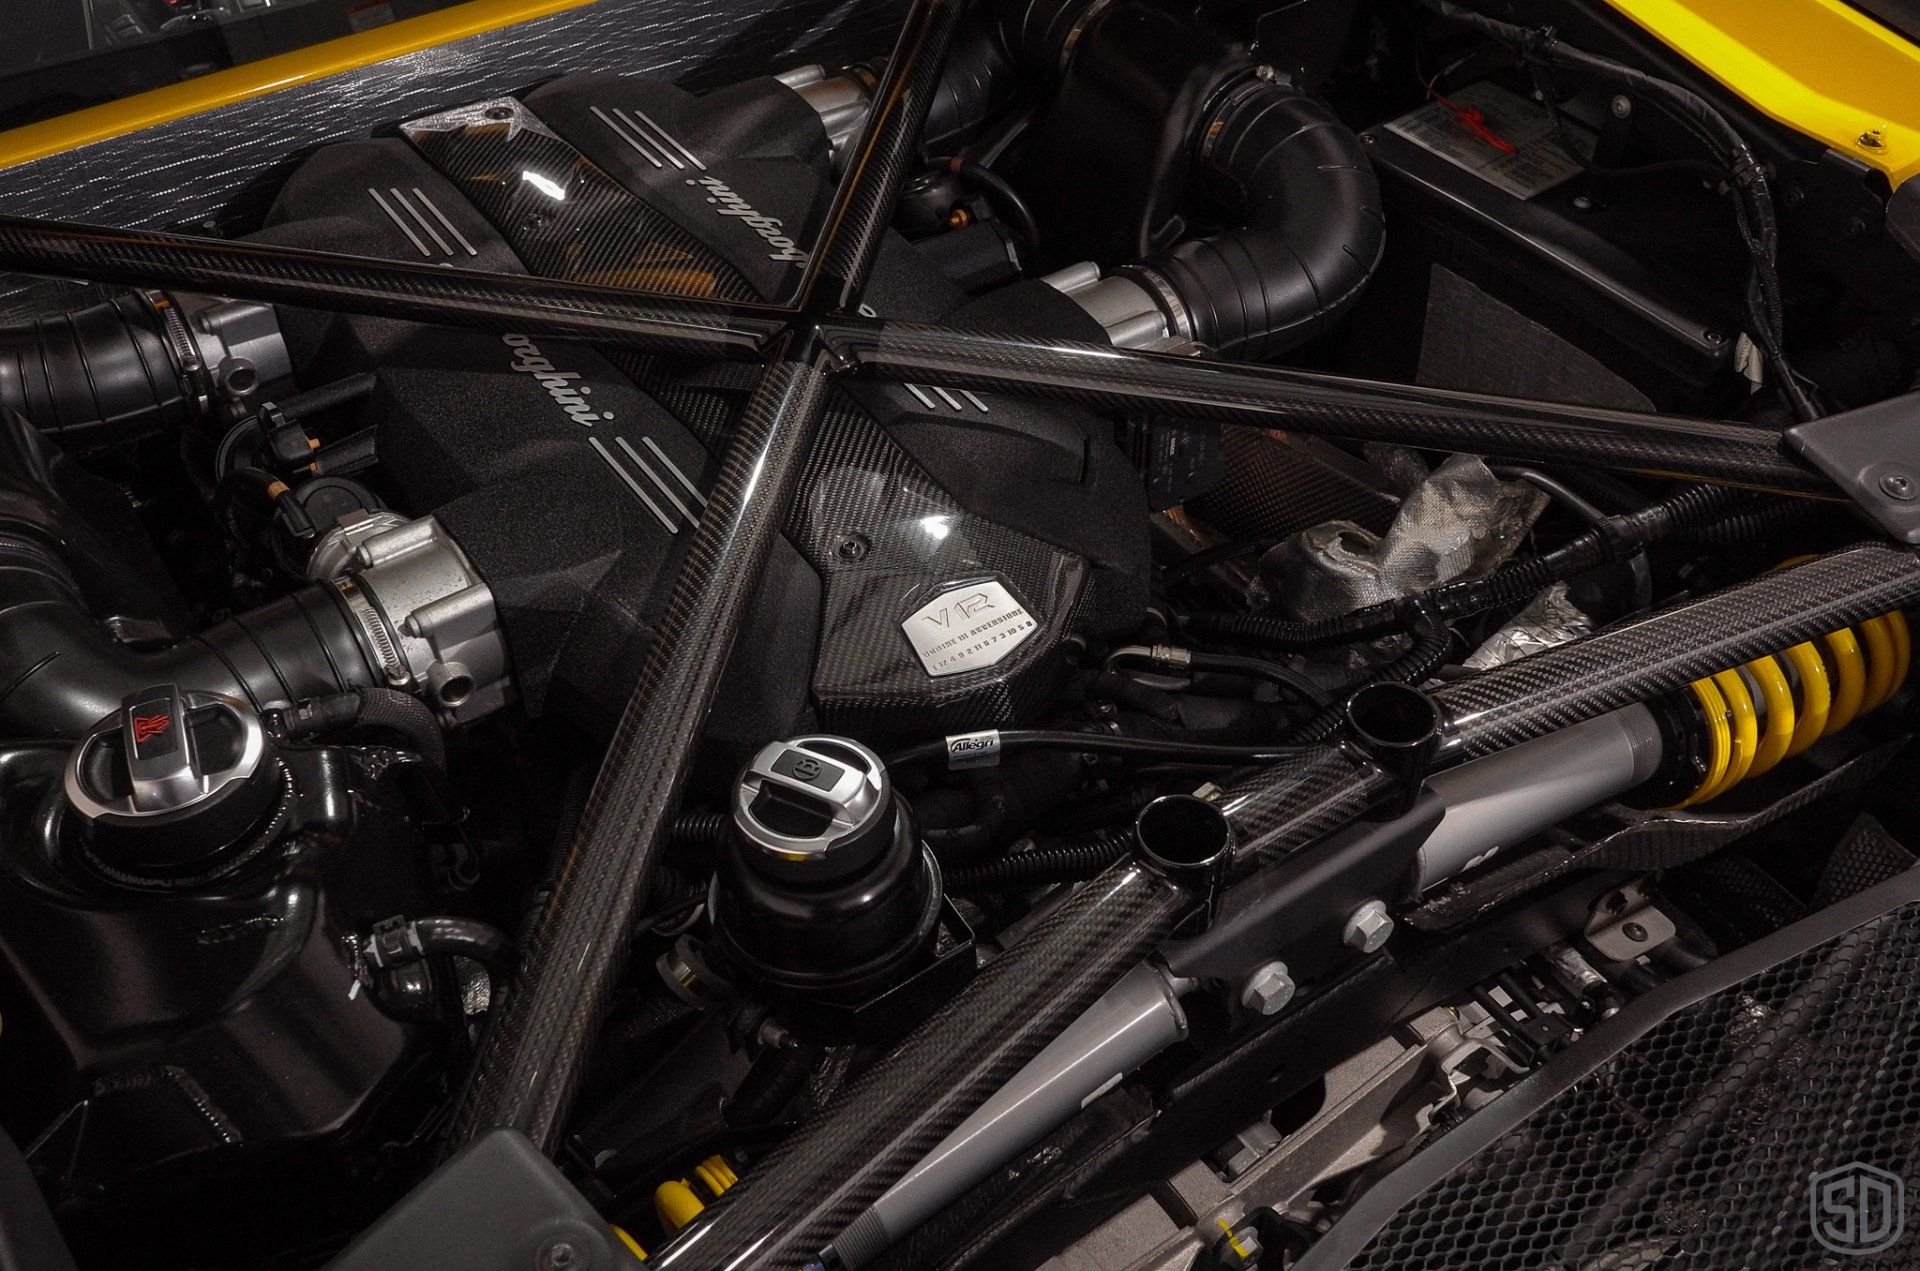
[{"x": 1776, "y": 706}]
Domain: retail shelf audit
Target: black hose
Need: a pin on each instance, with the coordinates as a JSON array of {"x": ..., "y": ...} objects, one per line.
[
  {"x": 1312, "y": 230},
  {"x": 465, "y": 938},
  {"x": 1064, "y": 862},
  {"x": 702, "y": 831},
  {"x": 1017, "y": 740},
  {"x": 1005, "y": 198},
  {"x": 61, "y": 672},
  {"x": 95, "y": 377},
  {"x": 373, "y": 707}
]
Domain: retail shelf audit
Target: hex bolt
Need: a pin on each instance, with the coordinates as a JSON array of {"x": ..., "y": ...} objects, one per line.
[
  {"x": 1368, "y": 928},
  {"x": 1898, "y": 485},
  {"x": 1268, "y": 990}
]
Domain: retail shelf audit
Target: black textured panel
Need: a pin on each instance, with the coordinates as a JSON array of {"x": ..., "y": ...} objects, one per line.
[
  {"x": 564, "y": 216},
  {"x": 1734, "y": 1134}
]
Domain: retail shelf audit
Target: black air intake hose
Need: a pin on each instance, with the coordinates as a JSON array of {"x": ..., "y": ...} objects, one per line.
[
  {"x": 1312, "y": 229},
  {"x": 100, "y": 376},
  {"x": 61, "y": 671}
]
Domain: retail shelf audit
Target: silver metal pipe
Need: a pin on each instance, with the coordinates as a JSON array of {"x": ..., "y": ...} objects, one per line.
[
  {"x": 1134, "y": 1021},
  {"x": 1510, "y": 796}
]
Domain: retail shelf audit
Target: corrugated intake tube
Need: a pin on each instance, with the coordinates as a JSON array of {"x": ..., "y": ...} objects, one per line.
[
  {"x": 61, "y": 670},
  {"x": 1311, "y": 233},
  {"x": 92, "y": 377}
]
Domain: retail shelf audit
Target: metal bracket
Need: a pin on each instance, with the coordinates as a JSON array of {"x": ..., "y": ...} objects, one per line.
[{"x": 1872, "y": 455}]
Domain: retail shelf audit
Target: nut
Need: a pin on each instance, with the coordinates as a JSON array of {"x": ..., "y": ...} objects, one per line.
[
  {"x": 1368, "y": 928},
  {"x": 1268, "y": 990}
]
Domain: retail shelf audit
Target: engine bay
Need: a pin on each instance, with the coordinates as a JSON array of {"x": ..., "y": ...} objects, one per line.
[{"x": 1071, "y": 644}]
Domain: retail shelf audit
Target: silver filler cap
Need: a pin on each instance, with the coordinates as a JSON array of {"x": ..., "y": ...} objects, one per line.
[
  {"x": 164, "y": 751},
  {"x": 814, "y": 807}
]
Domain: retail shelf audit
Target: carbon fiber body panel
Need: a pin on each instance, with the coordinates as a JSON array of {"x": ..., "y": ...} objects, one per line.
[
  {"x": 564, "y": 217},
  {"x": 914, "y": 545}
]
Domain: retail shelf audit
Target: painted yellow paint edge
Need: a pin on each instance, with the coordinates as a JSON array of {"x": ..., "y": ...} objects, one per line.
[
  {"x": 1820, "y": 67},
  {"x": 269, "y": 75}
]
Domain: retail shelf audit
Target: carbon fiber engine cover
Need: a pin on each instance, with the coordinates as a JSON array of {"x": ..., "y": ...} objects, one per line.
[{"x": 942, "y": 542}]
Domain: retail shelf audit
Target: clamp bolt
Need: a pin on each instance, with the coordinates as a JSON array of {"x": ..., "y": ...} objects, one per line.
[
  {"x": 1368, "y": 928},
  {"x": 1268, "y": 990}
]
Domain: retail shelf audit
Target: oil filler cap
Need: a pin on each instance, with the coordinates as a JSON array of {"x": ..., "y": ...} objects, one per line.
[
  {"x": 171, "y": 779},
  {"x": 814, "y": 808}
]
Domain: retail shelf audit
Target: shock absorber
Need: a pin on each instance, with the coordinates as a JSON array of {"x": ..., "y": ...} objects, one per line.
[{"x": 1744, "y": 721}]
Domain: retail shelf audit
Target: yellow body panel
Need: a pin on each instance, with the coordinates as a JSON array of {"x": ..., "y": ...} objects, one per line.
[
  {"x": 1820, "y": 67},
  {"x": 269, "y": 75}
]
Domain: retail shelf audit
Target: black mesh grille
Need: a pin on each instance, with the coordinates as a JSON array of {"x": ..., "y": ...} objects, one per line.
[{"x": 1697, "y": 1145}]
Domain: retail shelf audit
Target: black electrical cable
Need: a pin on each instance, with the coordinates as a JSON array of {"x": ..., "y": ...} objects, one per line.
[
  {"x": 1098, "y": 744},
  {"x": 1753, "y": 205},
  {"x": 1183, "y": 661},
  {"x": 275, "y": 492}
]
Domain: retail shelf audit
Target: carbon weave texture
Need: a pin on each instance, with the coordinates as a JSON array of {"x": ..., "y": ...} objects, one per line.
[
  {"x": 914, "y": 541},
  {"x": 529, "y": 1069},
  {"x": 827, "y": 1173},
  {"x": 909, "y": 538},
  {"x": 863, "y": 205},
  {"x": 1276, "y": 485},
  {"x": 1279, "y": 397},
  {"x": 563, "y": 216},
  {"x": 1282, "y": 807},
  {"x": 1697, "y": 1145},
  {"x": 1665, "y": 651},
  {"x": 391, "y": 289}
]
